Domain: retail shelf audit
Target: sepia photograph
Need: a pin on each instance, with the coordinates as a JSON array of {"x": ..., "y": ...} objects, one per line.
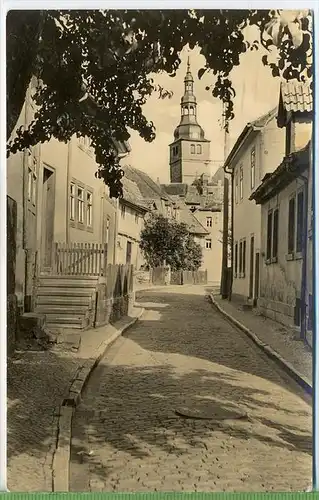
[{"x": 159, "y": 228}]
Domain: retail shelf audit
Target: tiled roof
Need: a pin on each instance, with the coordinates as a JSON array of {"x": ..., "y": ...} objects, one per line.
[
  {"x": 219, "y": 175},
  {"x": 149, "y": 189},
  {"x": 296, "y": 96},
  {"x": 192, "y": 197},
  {"x": 132, "y": 194},
  {"x": 194, "y": 226},
  {"x": 175, "y": 189}
]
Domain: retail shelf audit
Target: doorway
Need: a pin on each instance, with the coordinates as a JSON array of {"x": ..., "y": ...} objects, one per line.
[
  {"x": 257, "y": 270},
  {"x": 251, "y": 267},
  {"x": 48, "y": 211}
]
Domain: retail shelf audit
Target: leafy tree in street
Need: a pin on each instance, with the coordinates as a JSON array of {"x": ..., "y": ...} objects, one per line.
[
  {"x": 167, "y": 241},
  {"x": 94, "y": 69}
]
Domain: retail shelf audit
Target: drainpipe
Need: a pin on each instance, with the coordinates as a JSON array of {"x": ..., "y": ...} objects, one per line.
[
  {"x": 303, "y": 324},
  {"x": 69, "y": 159},
  {"x": 116, "y": 230},
  {"x": 231, "y": 172}
]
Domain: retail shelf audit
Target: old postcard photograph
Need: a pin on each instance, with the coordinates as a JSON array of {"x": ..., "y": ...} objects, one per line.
[{"x": 160, "y": 214}]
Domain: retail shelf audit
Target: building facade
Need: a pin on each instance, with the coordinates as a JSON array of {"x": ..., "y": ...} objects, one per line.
[
  {"x": 257, "y": 151},
  {"x": 285, "y": 198},
  {"x": 130, "y": 222},
  {"x": 190, "y": 150},
  {"x": 59, "y": 202}
]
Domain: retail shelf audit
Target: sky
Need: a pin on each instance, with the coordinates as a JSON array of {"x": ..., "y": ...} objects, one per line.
[{"x": 257, "y": 92}]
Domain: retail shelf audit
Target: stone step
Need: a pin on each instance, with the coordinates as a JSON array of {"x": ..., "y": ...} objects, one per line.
[
  {"x": 78, "y": 309},
  {"x": 67, "y": 283},
  {"x": 65, "y": 292},
  {"x": 56, "y": 327},
  {"x": 54, "y": 299},
  {"x": 68, "y": 277},
  {"x": 65, "y": 319}
]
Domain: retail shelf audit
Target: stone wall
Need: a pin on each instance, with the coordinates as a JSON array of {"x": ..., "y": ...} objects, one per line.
[{"x": 115, "y": 297}]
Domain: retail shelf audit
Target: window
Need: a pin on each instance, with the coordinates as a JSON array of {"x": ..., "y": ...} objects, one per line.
[
  {"x": 199, "y": 149},
  {"x": 272, "y": 236},
  {"x": 269, "y": 235},
  {"x": 208, "y": 244},
  {"x": 136, "y": 218},
  {"x": 107, "y": 229},
  {"x": 300, "y": 221},
  {"x": 123, "y": 211},
  {"x": 240, "y": 258},
  {"x": 291, "y": 225},
  {"x": 192, "y": 149},
  {"x": 191, "y": 110},
  {"x": 89, "y": 208},
  {"x": 30, "y": 174},
  {"x": 32, "y": 186},
  {"x": 275, "y": 234},
  {"x": 72, "y": 201},
  {"x": 236, "y": 187},
  {"x": 241, "y": 179},
  {"x": 209, "y": 221},
  {"x": 80, "y": 204},
  {"x": 244, "y": 259},
  {"x": 252, "y": 168},
  {"x": 236, "y": 259}
]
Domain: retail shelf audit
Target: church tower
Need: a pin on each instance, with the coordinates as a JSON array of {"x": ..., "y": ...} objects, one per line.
[{"x": 189, "y": 153}]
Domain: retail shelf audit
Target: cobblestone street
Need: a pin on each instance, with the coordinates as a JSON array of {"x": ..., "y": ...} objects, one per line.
[{"x": 186, "y": 402}]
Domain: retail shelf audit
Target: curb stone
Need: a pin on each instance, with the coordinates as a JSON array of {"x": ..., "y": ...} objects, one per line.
[
  {"x": 303, "y": 382},
  {"x": 61, "y": 458}
]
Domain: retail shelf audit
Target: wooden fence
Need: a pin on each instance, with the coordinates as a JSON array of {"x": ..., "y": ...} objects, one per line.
[
  {"x": 80, "y": 259},
  {"x": 158, "y": 276}
]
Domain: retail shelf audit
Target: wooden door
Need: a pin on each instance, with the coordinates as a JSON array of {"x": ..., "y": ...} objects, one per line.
[
  {"x": 251, "y": 267},
  {"x": 257, "y": 271},
  {"x": 48, "y": 211}
]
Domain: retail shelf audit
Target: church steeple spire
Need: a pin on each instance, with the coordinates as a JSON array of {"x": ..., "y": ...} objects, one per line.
[{"x": 188, "y": 127}]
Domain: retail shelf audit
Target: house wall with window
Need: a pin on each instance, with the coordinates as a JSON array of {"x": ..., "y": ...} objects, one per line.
[
  {"x": 247, "y": 216},
  {"x": 130, "y": 225},
  {"x": 260, "y": 154},
  {"x": 86, "y": 194},
  {"x": 281, "y": 267},
  {"x": 211, "y": 243}
]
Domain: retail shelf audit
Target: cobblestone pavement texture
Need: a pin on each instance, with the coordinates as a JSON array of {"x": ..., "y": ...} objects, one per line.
[
  {"x": 36, "y": 383},
  {"x": 280, "y": 338},
  {"x": 184, "y": 356}
]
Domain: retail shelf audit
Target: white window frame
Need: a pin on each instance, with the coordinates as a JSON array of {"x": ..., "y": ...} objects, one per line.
[
  {"x": 72, "y": 201},
  {"x": 80, "y": 200},
  {"x": 209, "y": 221},
  {"x": 208, "y": 244},
  {"x": 241, "y": 182},
  {"x": 89, "y": 208}
]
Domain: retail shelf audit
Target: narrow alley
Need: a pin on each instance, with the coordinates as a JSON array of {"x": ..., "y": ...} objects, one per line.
[{"x": 186, "y": 402}]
